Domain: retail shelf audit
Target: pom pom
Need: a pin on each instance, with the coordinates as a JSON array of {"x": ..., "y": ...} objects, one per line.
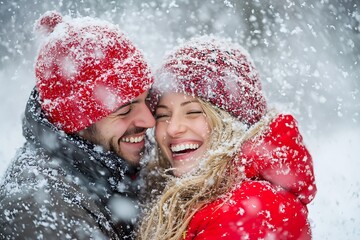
[{"x": 47, "y": 22}]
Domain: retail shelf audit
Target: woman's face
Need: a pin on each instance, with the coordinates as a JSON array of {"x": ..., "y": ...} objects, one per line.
[{"x": 182, "y": 131}]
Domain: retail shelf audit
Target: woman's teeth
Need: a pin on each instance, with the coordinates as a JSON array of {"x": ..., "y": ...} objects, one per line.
[{"x": 182, "y": 147}]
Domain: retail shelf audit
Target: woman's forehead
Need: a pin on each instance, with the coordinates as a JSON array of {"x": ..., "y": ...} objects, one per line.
[{"x": 177, "y": 97}]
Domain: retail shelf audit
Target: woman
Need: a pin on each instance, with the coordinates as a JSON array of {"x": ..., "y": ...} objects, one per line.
[{"x": 234, "y": 169}]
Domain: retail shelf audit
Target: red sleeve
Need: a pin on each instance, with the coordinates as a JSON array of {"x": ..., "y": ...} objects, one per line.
[
  {"x": 280, "y": 157},
  {"x": 256, "y": 210}
]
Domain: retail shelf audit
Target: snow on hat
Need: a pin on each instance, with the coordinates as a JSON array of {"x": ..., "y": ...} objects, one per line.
[
  {"x": 86, "y": 69},
  {"x": 217, "y": 71}
]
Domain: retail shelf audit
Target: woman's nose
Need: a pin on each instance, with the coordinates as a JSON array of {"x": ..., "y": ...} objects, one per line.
[{"x": 176, "y": 126}]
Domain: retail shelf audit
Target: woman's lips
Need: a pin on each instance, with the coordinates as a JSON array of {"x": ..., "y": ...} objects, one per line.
[{"x": 183, "y": 150}]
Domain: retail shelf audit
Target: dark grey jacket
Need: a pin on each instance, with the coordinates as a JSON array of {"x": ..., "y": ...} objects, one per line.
[{"x": 61, "y": 187}]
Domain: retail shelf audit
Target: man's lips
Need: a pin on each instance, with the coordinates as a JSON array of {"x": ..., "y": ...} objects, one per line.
[{"x": 133, "y": 139}]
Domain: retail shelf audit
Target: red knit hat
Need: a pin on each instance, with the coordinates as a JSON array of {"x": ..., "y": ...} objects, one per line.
[
  {"x": 85, "y": 70},
  {"x": 217, "y": 71}
]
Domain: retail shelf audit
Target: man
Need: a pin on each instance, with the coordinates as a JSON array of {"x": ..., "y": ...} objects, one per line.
[{"x": 85, "y": 122}]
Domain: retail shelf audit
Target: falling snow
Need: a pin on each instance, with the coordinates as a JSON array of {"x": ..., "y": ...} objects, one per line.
[{"x": 307, "y": 54}]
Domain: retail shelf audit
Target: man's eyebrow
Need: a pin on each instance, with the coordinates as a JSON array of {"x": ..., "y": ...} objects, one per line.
[
  {"x": 126, "y": 104},
  {"x": 122, "y": 106}
]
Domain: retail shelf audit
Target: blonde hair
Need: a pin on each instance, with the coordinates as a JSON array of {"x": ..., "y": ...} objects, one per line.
[{"x": 217, "y": 174}]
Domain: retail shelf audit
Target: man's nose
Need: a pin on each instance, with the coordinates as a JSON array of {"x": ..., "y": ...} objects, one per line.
[{"x": 146, "y": 119}]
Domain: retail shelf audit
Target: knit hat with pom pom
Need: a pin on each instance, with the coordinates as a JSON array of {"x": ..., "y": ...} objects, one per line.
[
  {"x": 86, "y": 69},
  {"x": 216, "y": 71}
]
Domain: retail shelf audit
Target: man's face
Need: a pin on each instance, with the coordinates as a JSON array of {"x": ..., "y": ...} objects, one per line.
[{"x": 123, "y": 131}]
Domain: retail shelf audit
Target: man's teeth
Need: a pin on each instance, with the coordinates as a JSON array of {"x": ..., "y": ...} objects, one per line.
[
  {"x": 182, "y": 147},
  {"x": 132, "y": 139}
]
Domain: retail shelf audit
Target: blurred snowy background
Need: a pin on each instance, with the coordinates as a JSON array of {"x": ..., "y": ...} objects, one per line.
[{"x": 308, "y": 54}]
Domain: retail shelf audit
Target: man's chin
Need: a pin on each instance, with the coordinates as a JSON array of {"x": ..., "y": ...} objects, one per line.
[
  {"x": 131, "y": 153},
  {"x": 132, "y": 160}
]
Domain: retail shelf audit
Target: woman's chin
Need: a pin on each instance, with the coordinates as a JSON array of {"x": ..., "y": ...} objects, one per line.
[{"x": 184, "y": 167}]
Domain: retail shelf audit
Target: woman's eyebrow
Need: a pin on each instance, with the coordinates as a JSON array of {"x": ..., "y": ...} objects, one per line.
[
  {"x": 161, "y": 106},
  {"x": 188, "y": 102}
]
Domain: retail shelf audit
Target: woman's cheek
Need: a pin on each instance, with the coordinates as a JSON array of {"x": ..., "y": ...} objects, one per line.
[{"x": 160, "y": 133}]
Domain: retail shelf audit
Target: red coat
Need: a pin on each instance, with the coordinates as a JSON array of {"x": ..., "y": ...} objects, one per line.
[
  {"x": 271, "y": 203},
  {"x": 281, "y": 158}
]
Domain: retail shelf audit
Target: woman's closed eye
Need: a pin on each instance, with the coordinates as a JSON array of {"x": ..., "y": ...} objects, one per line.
[
  {"x": 195, "y": 112},
  {"x": 161, "y": 116},
  {"x": 191, "y": 113}
]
